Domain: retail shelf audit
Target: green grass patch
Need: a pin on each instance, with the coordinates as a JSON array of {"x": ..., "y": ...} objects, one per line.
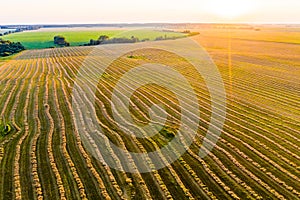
[{"x": 44, "y": 38}]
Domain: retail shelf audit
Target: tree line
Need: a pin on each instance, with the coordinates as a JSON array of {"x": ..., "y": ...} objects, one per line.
[
  {"x": 8, "y": 48},
  {"x": 104, "y": 39}
]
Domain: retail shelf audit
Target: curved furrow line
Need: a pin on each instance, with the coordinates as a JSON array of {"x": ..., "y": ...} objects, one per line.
[
  {"x": 156, "y": 147},
  {"x": 234, "y": 176},
  {"x": 171, "y": 169},
  {"x": 18, "y": 131},
  {"x": 258, "y": 134},
  {"x": 11, "y": 90},
  {"x": 140, "y": 179},
  {"x": 275, "y": 79},
  {"x": 287, "y": 152},
  {"x": 282, "y": 148},
  {"x": 66, "y": 168},
  {"x": 111, "y": 177},
  {"x": 263, "y": 111},
  {"x": 25, "y": 160},
  {"x": 51, "y": 156},
  {"x": 240, "y": 166},
  {"x": 229, "y": 172},
  {"x": 10, "y": 72},
  {"x": 265, "y": 137},
  {"x": 33, "y": 155},
  {"x": 166, "y": 192},
  {"x": 83, "y": 152},
  {"x": 288, "y": 120},
  {"x": 291, "y": 163},
  {"x": 59, "y": 182},
  {"x": 266, "y": 131},
  {"x": 248, "y": 188},
  {"x": 270, "y": 116},
  {"x": 226, "y": 188},
  {"x": 277, "y": 180},
  {"x": 242, "y": 83},
  {"x": 268, "y": 110},
  {"x": 222, "y": 63},
  {"x": 141, "y": 148},
  {"x": 279, "y": 119},
  {"x": 88, "y": 160},
  {"x": 17, "y": 182},
  {"x": 131, "y": 162},
  {"x": 68, "y": 165},
  {"x": 29, "y": 189},
  {"x": 270, "y": 125},
  {"x": 46, "y": 174},
  {"x": 264, "y": 146},
  {"x": 290, "y": 99},
  {"x": 160, "y": 92},
  {"x": 14, "y": 107},
  {"x": 5, "y": 67},
  {"x": 257, "y": 165},
  {"x": 285, "y": 130},
  {"x": 64, "y": 145},
  {"x": 274, "y": 135},
  {"x": 270, "y": 99},
  {"x": 284, "y": 119},
  {"x": 1, "y": 153},
  {"x": 289, "y": 188},
  {"x": 9, "y": 68}
]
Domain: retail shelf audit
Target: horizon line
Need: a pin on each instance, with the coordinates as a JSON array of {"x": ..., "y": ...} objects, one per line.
[{"x": 153, "y": 23}]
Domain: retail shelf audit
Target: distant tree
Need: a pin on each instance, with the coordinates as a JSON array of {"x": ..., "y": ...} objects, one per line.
[
  {"x": 134, "y": 39},
  {"x": 8, "y": 48},
  {"x": 159, "y": 38},
  {"x": 145, "y": 39},
  {"x": 186, "y": 31},
  {"x": 103, "y": 38},
  {"x": 94, "y": 42},
  {"x": 61, "y": 41}
]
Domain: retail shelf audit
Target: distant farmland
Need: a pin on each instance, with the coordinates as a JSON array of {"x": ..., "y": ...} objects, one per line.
[
  {"x": 257, "y": 156},
  {"x": 43, "y": 38},
  {"x": 6, "y": 31}
]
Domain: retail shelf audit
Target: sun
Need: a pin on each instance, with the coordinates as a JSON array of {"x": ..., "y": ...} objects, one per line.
[{"x": 229, "y": 9}]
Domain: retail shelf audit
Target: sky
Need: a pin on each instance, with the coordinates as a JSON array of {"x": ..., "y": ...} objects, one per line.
[{"x": 149, "y": 11}]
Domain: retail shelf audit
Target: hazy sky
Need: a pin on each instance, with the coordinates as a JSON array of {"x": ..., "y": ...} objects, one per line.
[{"x": 115, "y": 11}]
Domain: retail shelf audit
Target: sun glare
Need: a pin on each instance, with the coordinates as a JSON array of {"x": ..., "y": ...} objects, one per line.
[{"x": 230, "y": 9}]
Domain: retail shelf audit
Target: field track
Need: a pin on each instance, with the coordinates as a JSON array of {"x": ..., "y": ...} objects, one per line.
[{"x": 257, "y": 156}]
